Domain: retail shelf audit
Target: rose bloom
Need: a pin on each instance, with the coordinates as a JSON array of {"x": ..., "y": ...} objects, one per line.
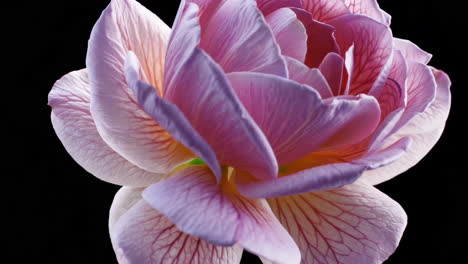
[{"x": 257, "y": 125}]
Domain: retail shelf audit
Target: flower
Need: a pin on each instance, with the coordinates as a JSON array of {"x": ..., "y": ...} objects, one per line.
[{"x": 257, "y": 125}]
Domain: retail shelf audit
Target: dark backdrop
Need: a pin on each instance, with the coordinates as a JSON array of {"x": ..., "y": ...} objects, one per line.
[{"x": 58, "y": 213}]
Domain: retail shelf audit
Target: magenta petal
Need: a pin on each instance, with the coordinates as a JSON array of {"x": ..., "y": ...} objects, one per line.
[
  {"x": 353, "y": 224},
  {"x": 368, "y": 8},
  {"x": 297, "y": 121},
  {"x": 168, "y": 116},
  {"x": 268, "y": 6},
  {"x": 325, "y": 10},
  {"x": 198, "y": 206},
  {"x": 332, "y": 69},
  {"x": 75, "y": 127},
  {"x": 140, "y": 234},
  {"x": 312, "y": 77},
  {"x": 239, "y": 39},
  {"x": 372, "y": 49},
  {"x": 411, "y": 51},
  {"x": 124, "y": 26},
  {"x": 289, "y": 33},
  {"x": 198, "y": 86}
]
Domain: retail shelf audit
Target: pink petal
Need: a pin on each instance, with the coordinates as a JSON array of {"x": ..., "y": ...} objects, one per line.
[
  {"x": 332, "y": 69},
  {"x": 75, "y": 127},
  {"x": 372, "y": 49},
  {"x": 168, "y": 115},
  {"x": 325, "y": 10},
  {"x": 268, "y": 6},
  {"x": 368, "y": 8},
  {"x": 390, "y": 154},
  {"x": 289, "y": 33},
  {"x": 425, "y": 130},
  {"x": 126, "y": 25},
  {"x": 140, "y": 234},
  {"x": 198, "y": 206},
  {"x": 297, "y": 121},
  {"x": 198, "y": 86},
  {"x": 353, "y": 224},
  {"x": 411, "y": 51},
  {"x": 239, "y": 39},
  {"x": 320, "y": 38},
  {"x": 312, "y": 77}
]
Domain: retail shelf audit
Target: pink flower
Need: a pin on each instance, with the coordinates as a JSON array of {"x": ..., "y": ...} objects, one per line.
[{"x": 257, "y": 125}]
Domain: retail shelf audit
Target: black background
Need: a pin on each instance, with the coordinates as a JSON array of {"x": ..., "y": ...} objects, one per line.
[{"x": 57, "y": 213}]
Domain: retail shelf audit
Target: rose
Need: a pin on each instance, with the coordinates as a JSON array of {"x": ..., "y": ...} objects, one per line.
[{"x": 304, "y": 103}]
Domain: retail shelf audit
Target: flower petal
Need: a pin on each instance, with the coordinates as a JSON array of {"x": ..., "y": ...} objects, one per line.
[
  {"x": 353, "y": 224},
  {"x": 312, "y": 77},
  {"x": 297, "y": 121},
  {"x": 198, "y": 206},
  {"x": 332, "y": 69},
  {"x": 168, "y": 115},
  {"x": 268, "y": 6},
  {"x": 198, "y": 86},
  {"x": 411, "y": 51},
  {"x": 289, "y": 33},
  {"x": 320, "y": 38},
  {"x": 140, "y": 234},
  {"x": 239, "y": 39},
  {"x": 368, "y": 8},
  {"x": 372, "y": 49},
  {"x": 325, "y": 10},
  {"x": 425, "y": 129},
  {"x": 126, "y": 25},
  {"x": 74, "y": 125}
]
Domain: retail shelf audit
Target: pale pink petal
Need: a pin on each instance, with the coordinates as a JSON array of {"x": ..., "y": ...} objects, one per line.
[
  {"x": 349, "y": 66},
  {"x": 140, "y": 234},
  {"x": 126, "y": 25},
  {"x": 353, "y": 224},
  {"x": 411, "y": 51},
  {"x": 198, "y": 86},
  {"x": 312, "y": 77},
  {"x": 268, "y": 6},
  {"x": 390, "y": 154},
  {"x": 325, "y": 10},
  {"x": 320, "y": 38},
  {"x": 297, "y": 121},
  {"x": 239, "y": 39},
  {"x": 368, "y": 8},
  {"x": 200, "y": 207},
  {"x": 289, "y": 33},
  {"x": 332, "y": 69},
  {"x": 168, "y": 115},
  {"x": 425, "y": 130},
  {"x": 372, "y": 49},
  {"x": 75, "y": 127}
]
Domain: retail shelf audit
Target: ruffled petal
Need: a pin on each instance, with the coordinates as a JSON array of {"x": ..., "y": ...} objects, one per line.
[
  {"x": 297, "y": 121},
  {"x": 411, "y": 51},
  {"x": 368, "y": 8},
  {"x": 74, "y": 125},
  {"x": 238, "y": 38},
  {"x": 332, "y": 69},
  {"x": 200, "y": 207},
  {"x": 198, "y": 86},
  {"x": 312, "y": 77},
  {"x": 425, "y": 130},
  {"x": 289, "y": 33},
  {"x": 353, "y": 224},
  {"x": 140, "y": 234},
  {"x": 126, "y": 25}
]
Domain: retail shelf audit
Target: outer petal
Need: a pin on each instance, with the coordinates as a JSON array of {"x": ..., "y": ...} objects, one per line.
[
  {"x": 198, "y": 206},
  {"x": 289, "y": 33},
  {"x": 312, "y": 77},
  {"x": 140, "y": 234},
  {"x": 425, "y": 129},
  {"x": 372, "y": 49},
  {"x": 198, "y": 86},
  {"x": 268, "y": 6},
  {"x": 126, "y": 25},
  {"x": 75, "y": 127},
  {"x": 325, "y": 10},
  {"x": 239, "y": 39},
  {"x": 297, "y": 121},
  {"x": 411, "y": 51},
  {"x": 368, "y": 8},
  {"x": 353, "y": 224}
]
